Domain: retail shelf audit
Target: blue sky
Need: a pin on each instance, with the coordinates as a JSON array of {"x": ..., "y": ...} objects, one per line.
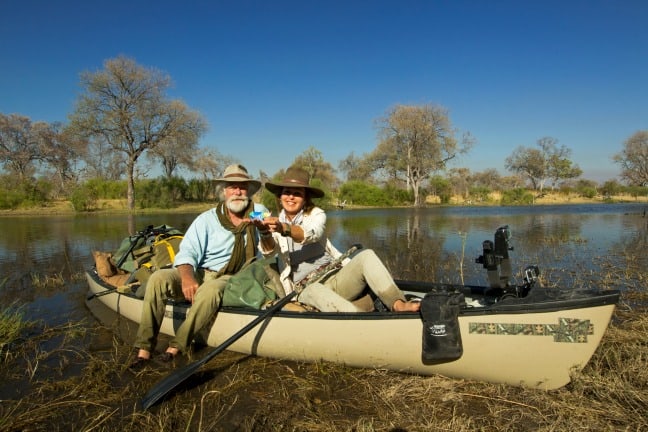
[{"x": 273, "y": 78}]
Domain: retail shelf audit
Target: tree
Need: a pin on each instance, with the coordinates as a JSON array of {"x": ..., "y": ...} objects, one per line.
[
  {"x": 441, "y": 187},
  {"x": 489, "y": 178},
  {"x": 125, "y": 106},
  {"x": 166, "y": 152},
  {"x": 529, "y": 163},
  {"x": 585, "y": 188},
  {"x": 415, "y": 142},
  {"x": 101, "y": 162},
  {"x": 313, "y": 162},
  {"x": 560, "y": 167},
  {"x": 633, "y": 159},
  {"x": 61, "y": 150},
  {"x": 548, "y": 162},
  {"x": 514, "y": 181},
  {"x": 20, "y": 144},
  {"x": 355, "y": 168},
  {"x": 210, "y": 164},
  {"x": 611, "y": 187},
  {"x": 460, "y": 179}
]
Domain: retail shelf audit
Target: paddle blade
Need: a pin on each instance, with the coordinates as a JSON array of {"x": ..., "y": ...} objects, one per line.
[
  {"x": 167, "y": 384},
  {"x": 178, "y": 376}
]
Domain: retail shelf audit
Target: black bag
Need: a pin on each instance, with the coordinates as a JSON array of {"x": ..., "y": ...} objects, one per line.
[
  {"x": 256, "y": 284},
  {"x": 441, "y": 334}
]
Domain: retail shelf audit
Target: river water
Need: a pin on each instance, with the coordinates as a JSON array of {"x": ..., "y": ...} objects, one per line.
[{"x": 577, "y": 245}]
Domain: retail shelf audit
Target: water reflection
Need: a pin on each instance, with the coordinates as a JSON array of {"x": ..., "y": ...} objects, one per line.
[
  {"x": 33, "y": 249},
  {"x": 573, "y": 245},
  {"x": 441, "y": 244}
]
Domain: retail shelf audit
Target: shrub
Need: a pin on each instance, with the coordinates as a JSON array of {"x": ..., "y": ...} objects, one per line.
[
  {"x": 399, "y": 196},
  {"x": 10, "y": 199},
  {"x": 161, "y": 192},
  {"x": 199, "y": 190},
  {"x": 637, "y": 191},
  {"x": 518, "y": 196},
  {"x": 587, "y": 192},
  {"x": 362, "y": 193},
  {"x": 107, "y": 189},
  {"x": 83, "y": 198},
  {"x": 611, "y": 187},
  {"x": 442, "y": 188},
  {"x": 479, "y": 193},
  {"x": 29, "y": 193}
]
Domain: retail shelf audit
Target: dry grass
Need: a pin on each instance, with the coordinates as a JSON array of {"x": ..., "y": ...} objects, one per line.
[
  {"x": 120, "y": 205},
  {"x": 93, "y": 390},
  {"x": 47, "y": 281},
  {"x": 74, "y": 377},
  {"x": 63, "y": 207}
]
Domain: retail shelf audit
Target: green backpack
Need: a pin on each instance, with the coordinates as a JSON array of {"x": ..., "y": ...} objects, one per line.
[
  {"x": 139, "y": 249},
  {"x": 159, "y": 254},
  {"x": 149, "y": 250}
]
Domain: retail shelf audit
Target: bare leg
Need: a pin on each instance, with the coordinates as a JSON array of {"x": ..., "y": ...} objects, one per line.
[{"x": 143, "y": 354}]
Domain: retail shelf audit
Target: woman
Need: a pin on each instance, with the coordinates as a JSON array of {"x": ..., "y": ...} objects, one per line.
[{"x": 300, "y": 240}]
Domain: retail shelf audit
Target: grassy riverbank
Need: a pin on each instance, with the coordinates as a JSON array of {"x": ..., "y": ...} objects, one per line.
[
  {"x": 74, "y": 377},
  {"x": 63, "y": 207},
  {"x": 91, "y": 389}
]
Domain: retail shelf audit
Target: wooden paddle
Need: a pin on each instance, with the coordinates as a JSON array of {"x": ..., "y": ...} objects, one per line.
[{"x": 172, "y": 380}]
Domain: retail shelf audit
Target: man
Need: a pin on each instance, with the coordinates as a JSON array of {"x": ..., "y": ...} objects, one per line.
[{"x": 216, "y": 245}]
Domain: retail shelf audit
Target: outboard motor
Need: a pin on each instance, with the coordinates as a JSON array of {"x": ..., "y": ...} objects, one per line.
[
  {"x": 495, "y": 258},
  {"x": 502, "y": 248},
  {"x": 489, "y": 261},
  {"x": 441, "y": 334}
]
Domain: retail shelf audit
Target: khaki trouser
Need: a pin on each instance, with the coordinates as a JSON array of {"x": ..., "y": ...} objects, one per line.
[
  {"x": 336, "y": 293},
  {"x": 166, "y": 284}
]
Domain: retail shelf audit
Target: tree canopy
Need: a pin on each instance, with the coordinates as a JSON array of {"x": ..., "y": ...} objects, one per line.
[
  {"x": 546, "y": 163},
  {"x": 123, "y": 112},
  {"x": 415, "y": 142},
  {"x": 21, "y": 144},
  {"x": 125, "y": 108},
  {"x": 633, "y": 159}
]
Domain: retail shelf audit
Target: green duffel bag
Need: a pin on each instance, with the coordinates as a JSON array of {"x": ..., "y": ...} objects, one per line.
[{"x": 256, "y": 284}]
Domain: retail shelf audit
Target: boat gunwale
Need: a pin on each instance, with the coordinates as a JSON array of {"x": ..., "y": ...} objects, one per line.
[{"x": 515, "y": 306}]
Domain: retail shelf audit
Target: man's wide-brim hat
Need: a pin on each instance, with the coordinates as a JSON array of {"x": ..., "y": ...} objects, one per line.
[
  {"x": 295, "y": 178},
  {"x": 238, "y": 174}
]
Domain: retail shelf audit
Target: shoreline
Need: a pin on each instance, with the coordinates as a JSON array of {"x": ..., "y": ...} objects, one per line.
[{"x": 64, "y": 207}]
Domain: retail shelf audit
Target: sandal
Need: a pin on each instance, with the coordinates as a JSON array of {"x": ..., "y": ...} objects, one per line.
[
  {"x": 166, "y": 357},
  {"x": 138, "y": 363}
]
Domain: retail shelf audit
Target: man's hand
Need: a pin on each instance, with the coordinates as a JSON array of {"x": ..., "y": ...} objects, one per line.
[{"x": 189, "y": 283}]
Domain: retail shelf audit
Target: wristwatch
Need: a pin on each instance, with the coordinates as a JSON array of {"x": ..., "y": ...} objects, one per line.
[{"x": 286, "y": 232}]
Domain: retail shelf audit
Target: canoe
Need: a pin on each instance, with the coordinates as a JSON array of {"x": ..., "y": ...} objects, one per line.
[{"x": 524, "y": 335}]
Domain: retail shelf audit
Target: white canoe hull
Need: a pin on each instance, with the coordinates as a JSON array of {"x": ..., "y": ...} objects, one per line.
[{"x": 536, "y": 345}]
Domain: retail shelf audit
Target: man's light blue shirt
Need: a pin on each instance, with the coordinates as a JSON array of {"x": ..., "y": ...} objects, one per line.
[{"x": 207, "y": 244}]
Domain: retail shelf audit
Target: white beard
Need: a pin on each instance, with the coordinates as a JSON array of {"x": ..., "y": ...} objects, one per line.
[{"x": 237, "y": 204}]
